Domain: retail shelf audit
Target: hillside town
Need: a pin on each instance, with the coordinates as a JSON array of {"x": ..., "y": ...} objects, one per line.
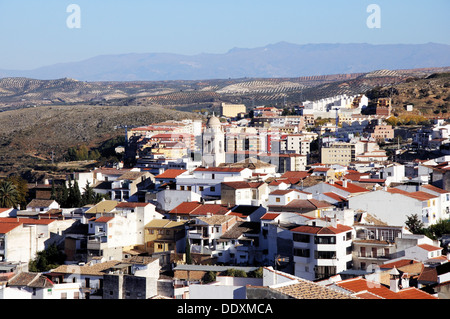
[{"x": 253, "y": 203}]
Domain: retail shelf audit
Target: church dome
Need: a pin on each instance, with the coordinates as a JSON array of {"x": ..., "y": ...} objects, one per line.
[{"x": 213, "y": 121}]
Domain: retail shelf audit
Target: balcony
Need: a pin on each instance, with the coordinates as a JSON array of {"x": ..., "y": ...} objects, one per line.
[
  {"x": 370, "y": 255},
  {"x": 96, "y": 242}
]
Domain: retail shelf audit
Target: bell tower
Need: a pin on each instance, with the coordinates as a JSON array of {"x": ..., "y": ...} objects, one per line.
[{"x": 213, "y": 143}]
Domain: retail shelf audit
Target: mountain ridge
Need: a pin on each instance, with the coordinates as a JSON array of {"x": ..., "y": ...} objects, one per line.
[{"x": 281, "y": 59}]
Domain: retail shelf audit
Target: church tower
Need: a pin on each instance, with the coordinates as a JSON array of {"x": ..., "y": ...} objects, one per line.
[{"x": 213, "y": 143}]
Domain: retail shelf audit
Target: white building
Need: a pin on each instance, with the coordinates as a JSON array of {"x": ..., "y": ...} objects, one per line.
[
  {"x": 213, "y": 144},
  {"x": 25, "y": 285},
  {"x": 322, "y": 251},
  {"x": 206, "y": 181},
  {"x": 109, "y": 233},
  {"x": 393, "y": 205}
]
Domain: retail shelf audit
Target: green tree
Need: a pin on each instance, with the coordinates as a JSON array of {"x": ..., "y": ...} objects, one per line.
[
  {"x": 9, "y": 197},
  {"x": 21, "y": 186},
  {"x": 438, "y": 229},
  {"x": 414, "y": 225},
  {"x": 88, "y": 196},
  {"x": 47, "y": 259},
  {"x": 210, "y": 276}
]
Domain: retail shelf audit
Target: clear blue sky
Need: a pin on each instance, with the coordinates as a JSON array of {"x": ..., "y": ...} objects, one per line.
[{"x": 34, "y": 33}]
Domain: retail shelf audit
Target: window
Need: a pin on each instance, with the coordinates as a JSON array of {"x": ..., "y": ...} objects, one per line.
[
  {"x": 326, "y": 240},
  {"x": 201, "y": 188},
  {"x": 325, "y": 254},
  {"x": 301, "y": 252},
  {"x": 278, "y": 199},
  {"x": 302, "y": 238},
  {"x": 64, "y": 295},
  {"x": 212, "y": 189},
  {"x": 374, "y": 252}
]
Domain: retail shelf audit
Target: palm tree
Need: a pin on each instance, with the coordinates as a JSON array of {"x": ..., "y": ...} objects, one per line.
[{"x": 8, "y": 194}]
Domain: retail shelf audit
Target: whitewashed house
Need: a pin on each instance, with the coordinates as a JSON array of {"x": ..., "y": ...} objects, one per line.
[
  {"x": 109, "y": 233},
  {"x": 26, "y": 285},
  {"x": 443, "y": 201},
  {"x": 393, "y": 205},
  {"x": 322, "y": 251},
  {"x": 206, "y": 181},
  {"x": 42, "y": 205}
]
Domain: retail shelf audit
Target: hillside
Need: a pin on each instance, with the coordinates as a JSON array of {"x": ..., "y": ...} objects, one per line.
[
  {"x": 23, "y": 92},
  {"x": 278, "y": 60},
  {"x": 29, "y": 136},
  {"x": 429, "y": 96}
]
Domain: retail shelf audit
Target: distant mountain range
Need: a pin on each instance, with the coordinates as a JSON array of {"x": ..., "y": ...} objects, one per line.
[{"x": 276, "y": 60}]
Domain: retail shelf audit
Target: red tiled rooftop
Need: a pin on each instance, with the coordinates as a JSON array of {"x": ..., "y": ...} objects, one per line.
[
  {"x": 131, "y": 204},
  {"x": 362, "y": 285},
  {"x": 171, "y": 173},
  {"x": 429, "y": 247},
  {"x": 103, "y": 219},
  {"x": 351, "y": 188},
  {"x": 397, "y": 264},
  {"x": 435, "y": 189},
  {"x": 7, "y": 227},
  {"x": 322, "y": 230},
  {"x": 220, "y": 169},
  {"x": 29, "y": 221},
  {"x": 270, "y": 216}
]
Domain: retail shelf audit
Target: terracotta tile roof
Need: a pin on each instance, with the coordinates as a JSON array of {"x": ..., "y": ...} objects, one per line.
[
  {"x": 104, "y": 219},
  {"x": 358, "y": 284},
  {"x": 366, "y": 295},
  {"x": 322, "y": 230},
  {"x": 296, "y": 174},
  {"x": 40, "y": 203},
  {"x": 286, "y": 191},
  {"x": 308, "y": 204},
  {"x": 399, "y": 263},
  {"x": 131, "y": 204},
  {"x": 419, "y": 195},
  {"x": 26, "y": 221},
  {"x": 97, "y": 269},
  {"x": 335, "y": 197},
  {"x": 131, "y": 176},
  {"x": 351, "y": 188},
  {"x": 422, "y": 195},
  {"x": 185, "y": 208},
  {"x": 278, "y": 181},
  {"x": 32, "y": 280},
  {"x": 435, "y": 189},
  {"x": 220, "y": 169},
  {"x": 429, "y": 247},
  {"x": 170, "y": 173},
  {"x": 216, "y": 219},
  {"x": 240, "y": 228},
  {"x": 269, "y": 216},
  {"x": 213, "y": 209},
  {"x": 7, "y": 227},
  {"x": 164, "y": 223},
  {"x": 303, "y": 289},
  {"x": 242, "y": 184},
  {"x": 414, "y": 293}
]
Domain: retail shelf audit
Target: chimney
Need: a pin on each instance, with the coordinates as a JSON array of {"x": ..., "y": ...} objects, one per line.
[
  {"x": 344, "y": 183},
  {"x": 394, "y": 280}
]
